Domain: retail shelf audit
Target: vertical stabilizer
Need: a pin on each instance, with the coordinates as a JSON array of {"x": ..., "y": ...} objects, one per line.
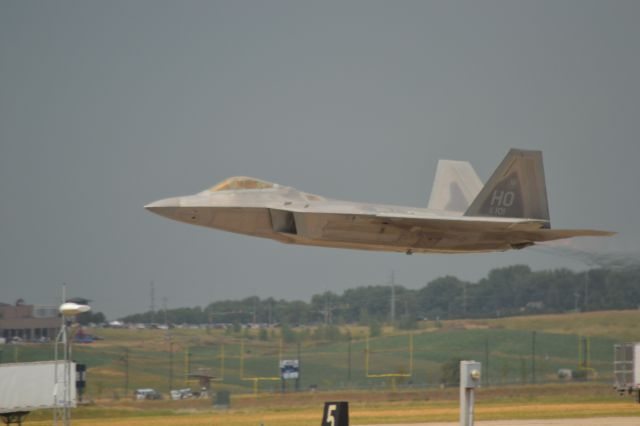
[
  {"x": 516, "y": 189},
  {"x": 455, "y": 186}
]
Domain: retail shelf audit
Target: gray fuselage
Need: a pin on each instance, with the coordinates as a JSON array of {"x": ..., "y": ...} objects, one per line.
[{"x": 290, "y": 216}]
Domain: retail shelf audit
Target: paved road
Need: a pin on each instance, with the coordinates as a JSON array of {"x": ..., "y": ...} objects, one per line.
[{"x": 599, "y": 421}]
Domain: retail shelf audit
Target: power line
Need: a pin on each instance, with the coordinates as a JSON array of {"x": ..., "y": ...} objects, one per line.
[{"x": 164, "y": 306}]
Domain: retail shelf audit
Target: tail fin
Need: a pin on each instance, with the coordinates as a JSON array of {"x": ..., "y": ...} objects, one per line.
[
  {"x": 455, "y": 186},
  {"x": 516, "y": 189}
]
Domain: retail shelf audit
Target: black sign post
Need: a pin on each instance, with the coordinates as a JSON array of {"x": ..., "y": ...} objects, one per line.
[
  {"x": 81, "y": 379},
  {"x": 289, "y": 370},
  {"x": 336, "y": 414}
]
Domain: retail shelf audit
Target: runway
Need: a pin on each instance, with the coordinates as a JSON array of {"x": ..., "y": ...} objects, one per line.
[{"x": 598, "y": 421}]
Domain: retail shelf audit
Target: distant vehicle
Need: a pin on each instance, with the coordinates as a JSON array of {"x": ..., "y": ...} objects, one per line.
[
  {"x": 84, "y": 338},
  {"x": 565, "y": 374},
  {"x": 3, "y": 340},
  {"x": 146, "y": 393},
  {"x": 177, "y": 394},
  {"x": 463, "y": 216}
]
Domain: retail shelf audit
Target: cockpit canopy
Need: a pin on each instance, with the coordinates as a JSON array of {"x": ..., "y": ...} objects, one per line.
[
  {"x": 241, "y": 182},
  {"x": 244, "y": 183}
]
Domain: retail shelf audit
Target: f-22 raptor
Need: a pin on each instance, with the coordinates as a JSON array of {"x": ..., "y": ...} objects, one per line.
[{"x": 463, "y": 216}]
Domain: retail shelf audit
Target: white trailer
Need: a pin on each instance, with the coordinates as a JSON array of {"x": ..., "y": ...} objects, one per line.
[
  {"x": 29, "y": 386},
  {"x": 626, "y": 368}
]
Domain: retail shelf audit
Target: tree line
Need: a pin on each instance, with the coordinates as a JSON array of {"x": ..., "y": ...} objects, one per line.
[{"x": 508, "y": 291}]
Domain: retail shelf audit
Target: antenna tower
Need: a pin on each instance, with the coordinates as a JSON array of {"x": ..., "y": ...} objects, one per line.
[
  {"x": 152, "y": 304},
  {"x": 393, "y": 298}
]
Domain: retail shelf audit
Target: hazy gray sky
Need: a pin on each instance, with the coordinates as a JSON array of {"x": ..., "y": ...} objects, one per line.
[{"x": 106, "y": 106}]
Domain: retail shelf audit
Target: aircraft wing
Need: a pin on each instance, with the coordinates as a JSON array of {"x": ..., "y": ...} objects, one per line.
[
  {"x": 461, "y": 223},
  {"x": 526, "y": 229}
]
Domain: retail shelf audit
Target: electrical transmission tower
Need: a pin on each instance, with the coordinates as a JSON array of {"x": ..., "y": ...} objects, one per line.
[{"x": 152, "y": 300}]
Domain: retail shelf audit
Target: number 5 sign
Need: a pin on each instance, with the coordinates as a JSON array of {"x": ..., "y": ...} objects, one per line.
[{"x": 336, "y": 414}]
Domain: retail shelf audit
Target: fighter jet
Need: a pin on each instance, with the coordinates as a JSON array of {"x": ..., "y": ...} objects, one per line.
[{"x": 463, "y": 216}]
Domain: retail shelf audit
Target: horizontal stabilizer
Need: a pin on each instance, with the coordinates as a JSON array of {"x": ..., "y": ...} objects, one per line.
[{"x": 557, "y": 234}]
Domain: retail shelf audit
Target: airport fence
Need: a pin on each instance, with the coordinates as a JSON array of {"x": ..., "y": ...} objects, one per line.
[{"x": 117, "y": 367}]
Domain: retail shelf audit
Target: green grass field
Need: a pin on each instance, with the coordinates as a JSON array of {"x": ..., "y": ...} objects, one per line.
[{"x": 503, "y": 345}]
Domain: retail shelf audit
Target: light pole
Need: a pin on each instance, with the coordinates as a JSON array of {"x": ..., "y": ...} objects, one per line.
[
  {"x": 67, "y": 310},
  {"x": 470, "y": 375}
]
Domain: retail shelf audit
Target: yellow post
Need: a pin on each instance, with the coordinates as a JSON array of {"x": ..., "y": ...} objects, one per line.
[
  {"x": 222, "y": 362},
  {"x": 241, "y": 359},
  {"x": 584, "y": 351},
  {"x": 411, "y": 354},
  {"x": 186, "y": 366},
  {"x": 366, "y": 358},
  {"x": 579, "y": 351},
  {"x": 255, "y": 380}
]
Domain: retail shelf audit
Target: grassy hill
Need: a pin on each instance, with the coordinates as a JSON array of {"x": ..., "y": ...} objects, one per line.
[{"x": 623, "y": 326}]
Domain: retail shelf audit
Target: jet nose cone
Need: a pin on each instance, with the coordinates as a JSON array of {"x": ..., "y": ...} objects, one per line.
[
  {"x": 166, "y": 207},
  {"x": 167, "y": 202}
]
